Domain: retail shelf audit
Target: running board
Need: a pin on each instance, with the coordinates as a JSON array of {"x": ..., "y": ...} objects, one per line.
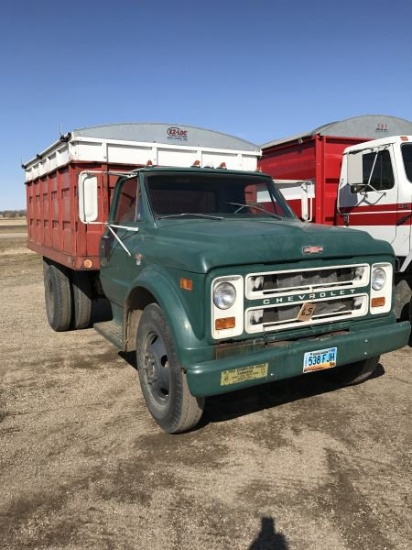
[{"x": 112, "y": 331}]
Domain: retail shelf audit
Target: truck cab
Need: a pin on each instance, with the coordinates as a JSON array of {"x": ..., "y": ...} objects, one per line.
[
  {"x": 375, "y": 192},
  {"x": 375, "y": 195},
  {"x": 218, "y": 286}
]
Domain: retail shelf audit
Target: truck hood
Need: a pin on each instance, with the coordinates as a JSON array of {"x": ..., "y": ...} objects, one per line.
[{"x": 201, "y": 245}]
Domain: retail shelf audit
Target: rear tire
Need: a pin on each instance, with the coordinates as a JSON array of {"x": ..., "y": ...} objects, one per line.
[
  {"x": 163, "y": 383},
  {"x": 58, "y": 298},
  {"x": 82, "y": 299},
  {"x": 355, "y": 373}
]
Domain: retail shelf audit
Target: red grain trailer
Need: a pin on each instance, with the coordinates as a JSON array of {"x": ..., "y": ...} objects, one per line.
[{"x": 309, "y": 164}]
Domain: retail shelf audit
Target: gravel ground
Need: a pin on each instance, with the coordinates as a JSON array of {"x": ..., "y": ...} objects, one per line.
[{"x": 296, "y": 465}]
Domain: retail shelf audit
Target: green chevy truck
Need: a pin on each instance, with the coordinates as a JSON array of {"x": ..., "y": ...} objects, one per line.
[{"x": 218, "y": 286}]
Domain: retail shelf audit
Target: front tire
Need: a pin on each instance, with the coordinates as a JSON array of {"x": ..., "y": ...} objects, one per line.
[
  {"x": 355, "y": 373},
  {"x": 58, "y": 297},
  {"x": 163, "y": 382}
]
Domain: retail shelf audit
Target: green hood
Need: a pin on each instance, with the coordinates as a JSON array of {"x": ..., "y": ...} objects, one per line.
[{"x": 201, "y": 245}]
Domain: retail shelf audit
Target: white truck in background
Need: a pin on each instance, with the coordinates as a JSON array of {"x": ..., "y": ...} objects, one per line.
[{"x": 338, "y": 175}]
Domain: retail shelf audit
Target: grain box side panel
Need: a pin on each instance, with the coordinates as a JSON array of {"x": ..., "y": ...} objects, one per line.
[
  {"x": 294, "y": 160},
  {"x": 316, "y": 158}
]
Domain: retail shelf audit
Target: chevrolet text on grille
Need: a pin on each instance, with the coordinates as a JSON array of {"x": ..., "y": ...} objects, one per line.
[{"x": 310, "y": 296}]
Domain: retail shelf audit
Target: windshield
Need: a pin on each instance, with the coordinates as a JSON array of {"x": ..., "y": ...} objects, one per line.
[
  {"x": 407, "y": 159},
  {"x": 209, "y": 195}
]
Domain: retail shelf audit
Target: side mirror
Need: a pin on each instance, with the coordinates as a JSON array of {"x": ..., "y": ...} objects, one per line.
[
  {"x": 355, "y": 170},
  {"x": 88, "y": 197}
]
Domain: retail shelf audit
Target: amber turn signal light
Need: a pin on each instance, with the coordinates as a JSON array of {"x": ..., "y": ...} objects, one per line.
[
  {"x": 186, "y": 284},
  {"x": 225, "y": 323},
  {"x": 378, "y": 302}
]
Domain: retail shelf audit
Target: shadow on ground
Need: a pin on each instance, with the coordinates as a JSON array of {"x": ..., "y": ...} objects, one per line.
[
  {"x": 267, "y": 538},
  {"x": 227, "y": 406}
]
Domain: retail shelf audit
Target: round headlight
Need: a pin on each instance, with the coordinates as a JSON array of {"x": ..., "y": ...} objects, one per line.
[
  {"x": 224, "y": 295},
  {"x": 378, "y": 278}
]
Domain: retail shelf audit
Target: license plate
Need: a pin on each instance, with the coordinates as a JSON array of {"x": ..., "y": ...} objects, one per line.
[
  {"x": 242, "y": 374},
  {"x": 319, "y": 359}
]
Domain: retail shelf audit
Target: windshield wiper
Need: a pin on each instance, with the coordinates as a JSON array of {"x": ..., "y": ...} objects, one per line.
[
  {"x": 254, "y": 205},
  {"x": 191, "y": 215}
]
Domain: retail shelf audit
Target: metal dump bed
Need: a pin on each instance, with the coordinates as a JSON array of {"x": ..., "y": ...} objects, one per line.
[{"x": 54, "y": 228}]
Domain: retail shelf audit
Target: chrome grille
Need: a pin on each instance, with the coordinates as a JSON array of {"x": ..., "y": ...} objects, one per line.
[
  {"x": 332, "y": 293},
  {"x": 262, "y": 285}
]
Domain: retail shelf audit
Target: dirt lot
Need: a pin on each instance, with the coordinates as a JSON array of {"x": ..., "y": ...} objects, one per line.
[{"x": 296, "y": 465}]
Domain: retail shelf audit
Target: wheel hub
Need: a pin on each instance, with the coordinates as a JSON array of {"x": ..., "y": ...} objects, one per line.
[
  {"x": 151, "y": 367},
  {"x": 156, "y": 368}
]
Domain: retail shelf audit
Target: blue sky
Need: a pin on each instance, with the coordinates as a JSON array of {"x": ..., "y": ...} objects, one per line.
[{"x": 257, "y": 69}]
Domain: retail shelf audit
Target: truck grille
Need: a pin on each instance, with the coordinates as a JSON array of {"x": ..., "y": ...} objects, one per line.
[{"x": 285, "y": 298}]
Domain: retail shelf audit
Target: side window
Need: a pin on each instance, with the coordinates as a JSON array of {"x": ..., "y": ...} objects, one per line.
[
  {"x": 127, "y": 208},
  {"x": 407, "y": 159},
  {"x": 377, "y": 170}
]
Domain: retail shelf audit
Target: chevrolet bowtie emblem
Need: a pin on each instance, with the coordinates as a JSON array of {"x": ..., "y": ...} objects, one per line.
[{"x": 312, "y": 249}]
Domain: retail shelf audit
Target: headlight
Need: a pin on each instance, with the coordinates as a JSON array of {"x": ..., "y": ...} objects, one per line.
[
  {"x": 378, "y": 278},
  {"x": 224, "y": 295}
]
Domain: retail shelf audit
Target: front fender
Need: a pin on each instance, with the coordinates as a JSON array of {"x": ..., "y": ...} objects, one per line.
[{"x": 189, "y": 346}]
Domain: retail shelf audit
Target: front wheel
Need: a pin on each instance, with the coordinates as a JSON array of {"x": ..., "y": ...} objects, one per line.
[
  {"x": 163, "y": 382},
  {"x": 355, "y": 373}
]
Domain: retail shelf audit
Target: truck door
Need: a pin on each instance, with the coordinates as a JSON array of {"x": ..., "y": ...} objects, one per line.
[
  {"x": 119, "y": 260},
  {"x": 368, "y": 194},
  {"x": 404, "y": 232}
]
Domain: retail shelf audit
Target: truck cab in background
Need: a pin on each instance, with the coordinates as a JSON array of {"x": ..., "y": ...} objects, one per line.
[
  {"x": 375, "y": 192},
  {"x": 354, "y": 182}
]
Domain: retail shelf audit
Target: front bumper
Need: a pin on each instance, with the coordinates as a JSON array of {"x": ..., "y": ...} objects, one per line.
[{"x": 285, "y": 360}]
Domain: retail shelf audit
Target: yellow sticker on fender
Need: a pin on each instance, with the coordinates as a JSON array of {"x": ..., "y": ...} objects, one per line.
[{"x": 236, "y": 376}]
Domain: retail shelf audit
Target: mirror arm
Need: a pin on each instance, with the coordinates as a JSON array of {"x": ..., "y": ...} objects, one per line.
[{"x": 115, "y": 235}]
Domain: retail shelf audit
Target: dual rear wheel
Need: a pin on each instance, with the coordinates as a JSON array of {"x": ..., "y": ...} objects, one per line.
[{"x": 68, "y": 297}]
